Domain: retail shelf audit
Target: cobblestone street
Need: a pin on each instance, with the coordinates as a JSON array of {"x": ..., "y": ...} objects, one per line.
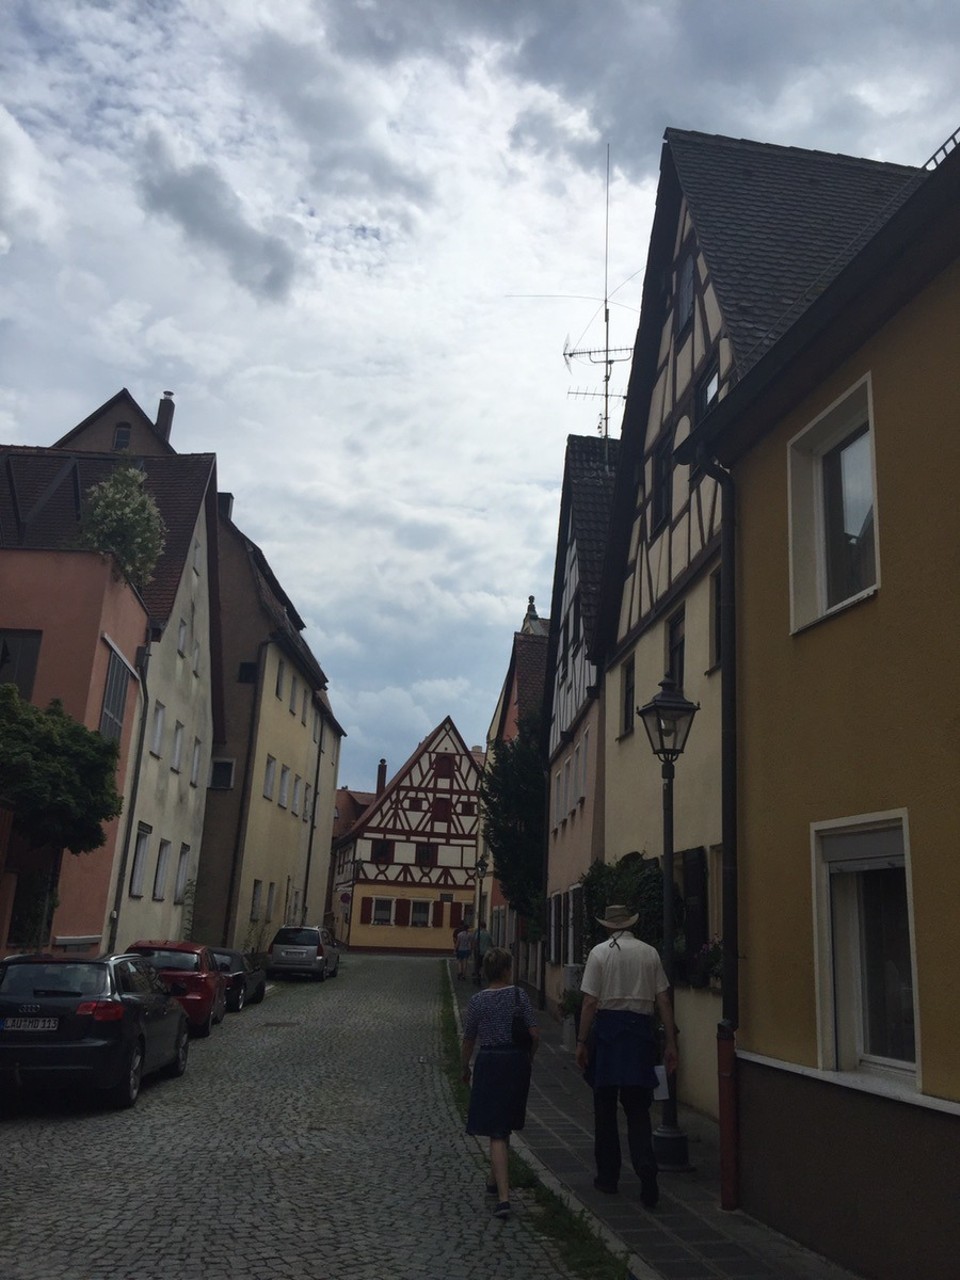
[{"x": 312, "y": 1136}]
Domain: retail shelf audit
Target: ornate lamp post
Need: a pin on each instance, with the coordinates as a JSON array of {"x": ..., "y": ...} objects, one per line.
[
  {"x": 482, "y": 867},
  {"x": 667, "y": 718}
]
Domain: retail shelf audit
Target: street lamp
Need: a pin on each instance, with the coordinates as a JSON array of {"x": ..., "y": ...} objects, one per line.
[
  {"x": 667, "y": 718},
  {"x": 482, "y": 867}
]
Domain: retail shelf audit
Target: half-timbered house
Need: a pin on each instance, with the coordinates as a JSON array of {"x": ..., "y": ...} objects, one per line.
[
  {"x": 572, "y": 705},
  {"x": 405, "y": 870},
  {"x": 743, "y": 231}
]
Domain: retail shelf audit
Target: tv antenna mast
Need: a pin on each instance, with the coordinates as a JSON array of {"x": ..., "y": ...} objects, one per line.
[{"x": 606, "y": 355}]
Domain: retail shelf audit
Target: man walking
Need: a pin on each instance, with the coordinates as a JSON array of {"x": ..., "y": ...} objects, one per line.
[
  {"x": 623, "y": 982},
  {"x": 482, "y": 942}
]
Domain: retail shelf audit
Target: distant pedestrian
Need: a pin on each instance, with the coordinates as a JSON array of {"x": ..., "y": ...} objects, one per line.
[
  {"x": 461, "y": 945},
  {"x": 482, "y": 942},
  {"x": 501, "y": 1073},
  {"x": 623, "y": 981}
]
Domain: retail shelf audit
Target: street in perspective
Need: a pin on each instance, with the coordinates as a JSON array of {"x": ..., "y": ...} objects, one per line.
[{"x": 313, "y": 1135}]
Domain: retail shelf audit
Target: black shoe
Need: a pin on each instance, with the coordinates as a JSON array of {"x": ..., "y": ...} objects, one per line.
[
  {"x": 649, "y": 1191},
  {"x": 502, "y": 1210},
  {"x": 608, "y": 1188}
]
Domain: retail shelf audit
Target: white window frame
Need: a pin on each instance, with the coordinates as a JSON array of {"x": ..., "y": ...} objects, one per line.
[
  {"x": 271, "y": 899},
  {"x": 839, "y": 1021},
  {"x": 807, "y": 523},
  {"x": 422, "y": 903},
  {"x": 195, "y": 763},
  {"x": 160, "y": 875},
  {"x": 294, "y": 687},
  {"x": 373, "y": 912},
  {"x": 269, "y": 777},
  {"x": 306, "y": 802},
  {"x": 297, "y": 795},
  {"x": 182, "y": 637},
  {"x": 177, "y": 754},
  {"x": 256, "y": 900},
  {"x": 138, "y": 870},
  {"x": 183, "y": 871},
  {"x": 284, "y": 794},
  {"x": 156, "y": 740}
]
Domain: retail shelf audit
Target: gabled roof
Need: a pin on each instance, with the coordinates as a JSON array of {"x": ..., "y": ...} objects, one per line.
[
  {"x": 42, "y": 491},
  {"x": 124, "y": 398},
  {"x": 776, "y": 224},
  {"x": 920, "y": 239},
  {"x": 446, "y": 726}
]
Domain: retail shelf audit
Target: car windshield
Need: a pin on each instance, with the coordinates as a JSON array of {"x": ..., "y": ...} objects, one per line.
[
  {"x": 187, "y": 961},
  {"x": 52, "y": 979},
  {"x": 297, "y": 937}
]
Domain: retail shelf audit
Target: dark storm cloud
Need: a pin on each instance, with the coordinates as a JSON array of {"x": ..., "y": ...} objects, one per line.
[{"x": 200, "y": 201}]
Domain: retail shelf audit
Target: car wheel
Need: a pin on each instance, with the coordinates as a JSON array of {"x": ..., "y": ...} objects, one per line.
[
  {"x": 127, "y": 1089},
  {"x": 179, "y": 1064},
  {"x": 336, "y": 968},
  {"x": 241, "y": 998},
  {"x": 257, "y": 997},
  {"x": 321, "y": 975},
  {"x": 205, "y": 1027}
]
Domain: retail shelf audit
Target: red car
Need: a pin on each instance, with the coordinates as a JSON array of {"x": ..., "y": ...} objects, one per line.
[{"x": 191, "y": 972}]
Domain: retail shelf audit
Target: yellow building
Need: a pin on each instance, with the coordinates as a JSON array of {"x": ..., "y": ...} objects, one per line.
[{"x": 844, "y": 448}]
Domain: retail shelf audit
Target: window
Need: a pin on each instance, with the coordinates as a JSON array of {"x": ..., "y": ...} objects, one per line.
[
  {"x": 281, "y": 668},
  {"x": 297, "y": 795},
  {"x": 271, "y": 899},
  {"x": 584, "y": 762},
  {"x": 160, "y": 877},
  {"x": 426, "y": 855},
  {"x": 114, "y": 699},
  {"x": 628, "y": 698},
  {"x": 156, "y": 741},
  {"x": 306, "y": 802},
  {"x": 383, "y": 911},
  {"x": 221, "y": 775},
  {"x": 303, "y": 706},
  {"x": 195, "y": 763},
  {"x": 19, "y": 651},
  {"x": 684, "y": 312},
  {"x": 182, "y": 637},
  {"x": 440, "y": 809},
  {"x": 468, "y": 808},
  {"x": 121, "y": 437},
  {"x": 269, "y": 777},
  {"x": 183, "y": 870},
  {"x": 567, "y": 805},
  {"x": 564, "y": 647},
  {"x": 675, "y": 646},
  {"x": 284, "y": 786},
  {"x": 577, "y": 789},
  {"x": 557, "y": 799},
  {"x": 247, "y": 673},
  {"x": 196, "y": 555},
  {"x": 256, "y": 900},
  {"x": 866, "y": 1008},
  {"x": 382, "y": 851},
  {"x": 833, "y": 535},
  {"x": 294, "y": 690},
  {"x": 661, "y": 487},
  {"x": 196, "y": 657},
  {"x": 177, "y": 747},
  {"x": 443, "y": 766},
  {"x": 316, "y": 725},
  {"x": 420, "y": 914},
  {"x": 139, "y": 860},
  {"x": 708, "y": 390}
]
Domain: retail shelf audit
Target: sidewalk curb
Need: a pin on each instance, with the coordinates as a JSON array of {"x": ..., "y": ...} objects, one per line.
[{"x": 637, "y": 1268}]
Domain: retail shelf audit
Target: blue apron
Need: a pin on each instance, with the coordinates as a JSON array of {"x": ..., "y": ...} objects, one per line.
[{"x": 623, "y": 1050}]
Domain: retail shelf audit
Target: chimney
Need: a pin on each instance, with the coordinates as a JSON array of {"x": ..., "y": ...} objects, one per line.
[
  {"x": 381, "y": 776},
  {"x": 225, "y": 505},
  {"x": 165, "y": 415}
]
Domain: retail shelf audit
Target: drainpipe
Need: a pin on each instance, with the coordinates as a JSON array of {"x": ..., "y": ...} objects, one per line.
[
  {"x": 313, "y": 816},
  {"x": 727, "y": 1028},
  {"x": 142, "y": 663}
]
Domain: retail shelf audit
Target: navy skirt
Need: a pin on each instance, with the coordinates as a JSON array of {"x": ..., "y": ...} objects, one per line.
[
  {"x": 623, "y": 1050},
  {"x": 498, "y": 1096}
]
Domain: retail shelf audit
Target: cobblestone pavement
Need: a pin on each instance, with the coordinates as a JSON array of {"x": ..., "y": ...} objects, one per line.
[{"x": 313, "y": 1136}]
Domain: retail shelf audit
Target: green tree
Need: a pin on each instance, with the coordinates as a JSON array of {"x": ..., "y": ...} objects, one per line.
[
  {"x": 58, "y": 776},
  {"x": 635, "y": 881},
  {"x": 121, "y": 518},
  {"x": 512, "y": 792}
]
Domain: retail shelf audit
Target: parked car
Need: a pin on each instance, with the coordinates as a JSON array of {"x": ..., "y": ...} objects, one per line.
[
  {"x": 246, "y": 980},
  {"x": 306, "y": 949},
  {"x": 104, "y": 1022},
  {"x": 194, "y": 979}
]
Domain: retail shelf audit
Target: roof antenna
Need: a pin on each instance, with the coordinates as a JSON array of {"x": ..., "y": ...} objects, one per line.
[{"x": 607, "y": 355}]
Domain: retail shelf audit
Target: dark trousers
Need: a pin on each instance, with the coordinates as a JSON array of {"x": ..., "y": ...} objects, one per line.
[{"x": 606, "y": 1148}]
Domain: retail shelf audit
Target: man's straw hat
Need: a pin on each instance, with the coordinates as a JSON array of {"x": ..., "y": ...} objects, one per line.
[{"x": 619, "y": 917}]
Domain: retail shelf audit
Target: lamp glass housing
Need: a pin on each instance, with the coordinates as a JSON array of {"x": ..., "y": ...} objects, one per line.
[{"x": 667, "y": 718}]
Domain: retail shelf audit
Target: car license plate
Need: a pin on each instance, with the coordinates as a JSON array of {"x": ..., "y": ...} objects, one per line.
[{"x": 29, "y": 1024}]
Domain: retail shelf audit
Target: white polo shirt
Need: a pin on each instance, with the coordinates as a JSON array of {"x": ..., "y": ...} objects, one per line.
[{"x": 624, "y": 973}]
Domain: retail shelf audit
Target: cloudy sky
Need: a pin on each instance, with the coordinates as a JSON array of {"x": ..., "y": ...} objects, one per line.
[{"x": 353, "y": 237}]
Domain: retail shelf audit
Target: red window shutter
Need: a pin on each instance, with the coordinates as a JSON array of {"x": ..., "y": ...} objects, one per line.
[
  {"x": 403, "y": 911},
  {"x": 366, "y": 910},
  {"x": 437, "y": 914},
  {"x": 456, "y": 914}
]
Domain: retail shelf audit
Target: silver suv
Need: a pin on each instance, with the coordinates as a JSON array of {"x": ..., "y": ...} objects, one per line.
[{"x": 307, "y": 949}]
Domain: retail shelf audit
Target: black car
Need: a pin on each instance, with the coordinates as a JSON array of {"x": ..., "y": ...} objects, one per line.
[
  {"x": 103, "y": 1022},
  {"x": 246, "y": 980}
]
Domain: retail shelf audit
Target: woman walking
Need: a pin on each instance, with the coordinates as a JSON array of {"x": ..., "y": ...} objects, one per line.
[{"x": 501, "y": 1073}]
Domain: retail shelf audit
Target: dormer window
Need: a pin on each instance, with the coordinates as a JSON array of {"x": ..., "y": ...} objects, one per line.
[{"x": 121, "y": 437}]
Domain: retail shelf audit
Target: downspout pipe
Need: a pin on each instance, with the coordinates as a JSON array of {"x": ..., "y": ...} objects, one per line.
[
  {"x": 313, "y": 823},
  {"x": 730, "y": 1009}
]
